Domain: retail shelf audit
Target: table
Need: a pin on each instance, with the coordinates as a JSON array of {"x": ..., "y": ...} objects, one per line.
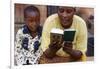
[{"x": 90, "y": 58}]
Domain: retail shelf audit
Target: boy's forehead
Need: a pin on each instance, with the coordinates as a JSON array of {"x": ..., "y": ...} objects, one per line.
[{"x": 32, "y": 13}]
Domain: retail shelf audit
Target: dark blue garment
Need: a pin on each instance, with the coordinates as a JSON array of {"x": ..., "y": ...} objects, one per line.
[
  {"x": 25, "y": 40},
  {"x": 27, "y": 31},
  {"x": 90, "y": 47},
  {"x": 36, "y": 46},
  {"x": 25, "y": 43}
]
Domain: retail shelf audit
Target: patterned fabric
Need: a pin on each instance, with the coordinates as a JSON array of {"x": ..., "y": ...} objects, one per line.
[{"x": 27, "y": 50}]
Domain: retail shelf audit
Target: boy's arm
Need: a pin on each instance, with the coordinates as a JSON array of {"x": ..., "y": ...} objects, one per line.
[{"x": 18, "y": 42}]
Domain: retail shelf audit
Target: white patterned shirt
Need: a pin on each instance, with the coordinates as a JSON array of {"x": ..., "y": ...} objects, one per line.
[{"x": 27, "y": 50}]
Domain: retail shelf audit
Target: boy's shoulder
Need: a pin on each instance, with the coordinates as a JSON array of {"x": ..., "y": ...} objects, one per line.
[
  {"x": 23, "y": 30},
  {"x": 20, "y": 30}
]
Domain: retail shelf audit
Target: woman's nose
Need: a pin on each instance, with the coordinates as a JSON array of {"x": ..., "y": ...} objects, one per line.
[{"x": 64, "y": 14}]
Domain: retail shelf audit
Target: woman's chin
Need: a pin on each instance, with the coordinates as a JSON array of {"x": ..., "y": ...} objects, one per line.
[{"x": 66, "y": 26}]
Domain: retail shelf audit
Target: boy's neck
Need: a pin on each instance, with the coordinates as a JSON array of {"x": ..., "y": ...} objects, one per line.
[{"x": 33, "y": 34}]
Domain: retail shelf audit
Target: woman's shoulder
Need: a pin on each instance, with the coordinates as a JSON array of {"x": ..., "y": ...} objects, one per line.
[
  {"x": 52, "y": 17},
  {"x": 78, "y": 20}
]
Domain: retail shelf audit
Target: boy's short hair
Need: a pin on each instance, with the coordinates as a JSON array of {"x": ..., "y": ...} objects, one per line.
[{"x": 31, "y": 9}]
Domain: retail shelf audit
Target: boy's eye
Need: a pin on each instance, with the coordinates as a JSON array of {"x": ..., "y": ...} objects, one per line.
[{"x": 31, "y": 20}]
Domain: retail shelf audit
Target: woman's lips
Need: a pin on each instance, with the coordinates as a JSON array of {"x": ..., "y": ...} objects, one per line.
[{"x": 65, "y": 21}]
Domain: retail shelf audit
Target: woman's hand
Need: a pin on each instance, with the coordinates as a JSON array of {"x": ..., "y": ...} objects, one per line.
[{"x": 67, "y": 45}]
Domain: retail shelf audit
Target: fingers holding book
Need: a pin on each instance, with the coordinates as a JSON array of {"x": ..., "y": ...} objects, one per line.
[
  {"x": 68, "y": 44},
  {"x": 55, "y": 45}
]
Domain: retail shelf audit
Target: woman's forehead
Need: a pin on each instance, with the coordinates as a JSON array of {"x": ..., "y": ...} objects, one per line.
[{"x": 66, "y": 7}]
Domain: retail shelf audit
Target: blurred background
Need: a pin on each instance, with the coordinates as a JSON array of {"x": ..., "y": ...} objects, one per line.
[{"x": 86, "y": 13}]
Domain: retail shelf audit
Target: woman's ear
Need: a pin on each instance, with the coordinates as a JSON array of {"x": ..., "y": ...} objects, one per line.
[{"x": 75, "y": 9}]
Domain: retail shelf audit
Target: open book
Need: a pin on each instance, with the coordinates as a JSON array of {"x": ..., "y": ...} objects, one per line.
[{"x": 65, "y": 35}]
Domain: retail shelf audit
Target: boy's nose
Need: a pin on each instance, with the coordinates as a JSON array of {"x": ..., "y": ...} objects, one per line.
[{"x": 32, "y": 23}]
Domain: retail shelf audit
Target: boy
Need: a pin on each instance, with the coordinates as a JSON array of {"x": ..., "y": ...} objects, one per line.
[{"x": 27, "y": 51}]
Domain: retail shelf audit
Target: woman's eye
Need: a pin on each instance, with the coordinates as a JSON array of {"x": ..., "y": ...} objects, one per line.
[
  {"x": 69, "y": 11},
  {"x": 61, "y": 10}
]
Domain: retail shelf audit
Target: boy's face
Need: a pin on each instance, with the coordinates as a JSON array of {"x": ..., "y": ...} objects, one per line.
[
  {"x": 32, "y": 20},
  {"x": 66, "y": 16}
]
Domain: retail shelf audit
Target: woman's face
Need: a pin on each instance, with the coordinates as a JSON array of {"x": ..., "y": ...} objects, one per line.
[
  {"x": 66, "y": 16},
  {"x": 32, "y": 20}
]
